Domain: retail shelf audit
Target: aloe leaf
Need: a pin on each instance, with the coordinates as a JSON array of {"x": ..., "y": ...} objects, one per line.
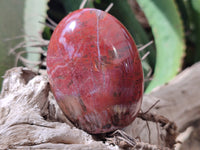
[
  {"x": 34, "y": 13},
  {"x": 195, "y": 9},
  {"x": 196, "y": 5},
  {"x": 184, "y": 13},
  {"x": 190, "y": 21},
  {"x": 11, "y": 24},
  {"x": 167, "y": 29}
]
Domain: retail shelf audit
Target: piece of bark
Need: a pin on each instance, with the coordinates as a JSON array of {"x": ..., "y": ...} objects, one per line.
[{"x": 30, "y": 118}]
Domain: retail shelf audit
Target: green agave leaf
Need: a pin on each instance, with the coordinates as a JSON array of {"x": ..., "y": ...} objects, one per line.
[
  {"x": 11, "y": 24},
  {"x": 195, "y": 10},
  {"x": 34, "y": 14},
  {"x": 122, "y": 10},
  {"x": 184, "y": 13},
  {"x": 167, "y": 28},
  {"x": 196, "y": 5},
  {"x": 190, "y": 12}
]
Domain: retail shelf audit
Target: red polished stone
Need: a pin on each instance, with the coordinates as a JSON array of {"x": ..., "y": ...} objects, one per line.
[{"x": 95, "y": 71}]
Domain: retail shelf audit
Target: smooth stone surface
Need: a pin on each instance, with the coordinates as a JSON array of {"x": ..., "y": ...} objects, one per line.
[{"x": 95, "y": 71}]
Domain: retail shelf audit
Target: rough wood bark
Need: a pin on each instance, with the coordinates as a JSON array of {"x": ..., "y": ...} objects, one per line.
[{"x": 30, "y": 117}]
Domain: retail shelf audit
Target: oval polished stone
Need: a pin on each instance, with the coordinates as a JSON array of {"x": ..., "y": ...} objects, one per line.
[{"x": 95, "y": 71}]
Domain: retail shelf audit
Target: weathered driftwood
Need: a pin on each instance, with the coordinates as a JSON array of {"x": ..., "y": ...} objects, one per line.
[
  {"x": 30, "y": 117},
  {"x": 179, "y": 102},
  {"x": 23, "y": 106}
]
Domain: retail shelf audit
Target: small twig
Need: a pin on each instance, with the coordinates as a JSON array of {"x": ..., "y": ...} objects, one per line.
[
  {"x": 147, "y": 124},
  {"x": 121, "y": 139},
  {"x": 127, "y": 138},
  {"x": 151, "y": 107},
  {"x": 169, "y": 126},
  {"x": 158, "y": 133},
  {"x": 149, "y": 131},
  {"x": 145, "y": 46},
  {"x": 147, "y": 121},
  {"x": 82, "y": 5},
  {"x": 109, "y": 7}
]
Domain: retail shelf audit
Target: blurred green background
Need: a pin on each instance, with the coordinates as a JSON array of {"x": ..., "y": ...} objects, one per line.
[
  {"x": 11, "y": 25},
  {"x": 173, "y": 25}
]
